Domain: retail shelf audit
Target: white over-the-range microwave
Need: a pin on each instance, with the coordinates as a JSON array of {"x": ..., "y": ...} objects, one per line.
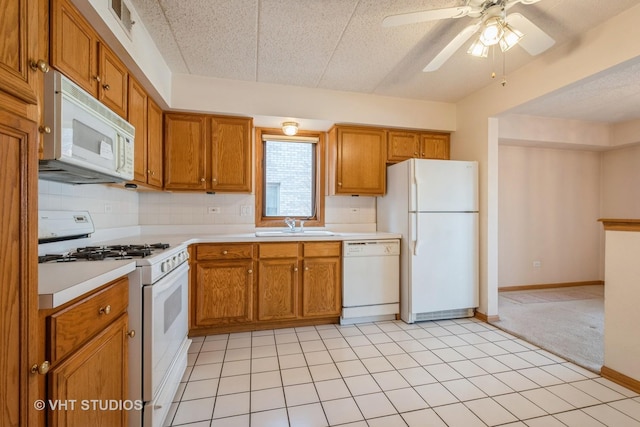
[{"x": 85, "y": 141}]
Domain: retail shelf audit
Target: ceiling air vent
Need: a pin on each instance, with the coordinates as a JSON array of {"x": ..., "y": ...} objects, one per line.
[{"x": 122, "y": 12}]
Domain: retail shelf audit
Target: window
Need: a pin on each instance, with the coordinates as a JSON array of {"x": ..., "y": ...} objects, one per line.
[{"x": 289, "y": 178}]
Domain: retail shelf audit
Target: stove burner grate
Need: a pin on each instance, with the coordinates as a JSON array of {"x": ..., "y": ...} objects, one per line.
[{"x": 99, "y": 253}]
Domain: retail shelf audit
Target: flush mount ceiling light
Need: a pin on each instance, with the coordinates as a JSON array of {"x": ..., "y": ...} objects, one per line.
[{"x": 290, "y": 128}]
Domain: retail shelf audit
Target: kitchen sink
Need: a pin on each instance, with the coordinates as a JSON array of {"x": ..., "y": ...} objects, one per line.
[{"x": 287, "y": 233}]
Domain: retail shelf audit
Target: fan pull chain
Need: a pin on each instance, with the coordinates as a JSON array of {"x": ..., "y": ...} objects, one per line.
[
  {"x": 493, "y": 62},
  {"x": 504, "y": 69}
]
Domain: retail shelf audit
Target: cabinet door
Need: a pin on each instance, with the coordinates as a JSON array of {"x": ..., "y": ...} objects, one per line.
[
  {"x": 321, "y": 287},
  {"x": 154, "y": 145},
  {"x": 97, "y": 371},
  {"x": 137, "y": 116},
  {"x": 185, "y": 142},
  {"x": 74, "y": 46},
  {"x": 19, "y": 47},
  {"x": 223, "y": 292},
  {"x": 18, "y": 270},
  {"x": 114, "y": 77},
  {"x": 277, "y": 289},
  {"x": 402, "y": 146},
  {"x": 360, "y": 161},
  {"x": 435, "y": 146},
  {"x": 231, "y": 154}
]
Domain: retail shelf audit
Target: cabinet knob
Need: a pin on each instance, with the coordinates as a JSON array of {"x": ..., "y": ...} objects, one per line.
[
  {"x": 202, "y": 179},
  {"x": 105, "y": 310},
  {"x": 41, "y": 369},
  {"x": 150, "y": 172},
  {"x": 249, "y": 271},
  {"x": 340, "y": 184},
  {"x": 106, "y": 87},
  {"x": 39, "y": 65},
  {"x": 44, "y": 129},
  {"x": 306, "y": 269},
  {"x": 97, "y": 78},
  {"x": 131, "y": 333},
  {"x": 225, "y": 252},
  {"x": 295, "y": 268},
  {"x": 422, "y": 154},
  {"x": 214, "y": 180},
  {"x": 415, "y": 153}
]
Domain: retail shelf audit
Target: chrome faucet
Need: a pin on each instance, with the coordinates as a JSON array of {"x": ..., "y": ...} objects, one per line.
[{"x": 291, "y": 223}]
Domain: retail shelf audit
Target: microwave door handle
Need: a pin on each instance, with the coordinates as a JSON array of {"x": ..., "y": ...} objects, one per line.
[{"x": 120, "y": 148}]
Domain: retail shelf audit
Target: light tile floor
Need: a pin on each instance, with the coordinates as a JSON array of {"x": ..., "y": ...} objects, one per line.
[{"x": 457, "y": 373}]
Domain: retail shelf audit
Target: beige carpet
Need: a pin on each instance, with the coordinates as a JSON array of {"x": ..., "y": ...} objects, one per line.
[{"x": 568, "y": 322}]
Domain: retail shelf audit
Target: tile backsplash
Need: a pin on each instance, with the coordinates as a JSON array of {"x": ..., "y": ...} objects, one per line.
[
  {"x": 110, "y": 206},
  {"x": 115, "y": 207}
]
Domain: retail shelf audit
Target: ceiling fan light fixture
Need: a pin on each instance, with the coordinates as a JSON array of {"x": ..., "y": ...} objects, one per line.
[
  {"x": 510, "y": 38},
  {"x": 478, "y": 49},
  {"x": 290, "y": 128},
  {"x": 492, "y": 31}
]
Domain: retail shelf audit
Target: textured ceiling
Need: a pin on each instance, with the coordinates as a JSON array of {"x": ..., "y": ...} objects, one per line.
[{"x": 341, "y": 45}]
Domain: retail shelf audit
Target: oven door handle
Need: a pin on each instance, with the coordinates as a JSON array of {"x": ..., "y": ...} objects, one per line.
[{"x": 168, "y": 281}]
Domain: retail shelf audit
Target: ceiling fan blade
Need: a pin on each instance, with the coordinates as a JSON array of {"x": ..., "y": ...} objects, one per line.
[
  {"x": 462, "y": 37},
  {"x": 426, "y": 15},
  {"x": 535, "y": 41},
  {"x": 524, "y": 2}
]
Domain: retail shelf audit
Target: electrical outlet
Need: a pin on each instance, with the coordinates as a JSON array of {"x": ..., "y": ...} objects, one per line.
[
  {"x": 354, "y": 210},
  {"x": 213, "y": 210},
  {"x": 108, "y": 208},
  {"x": 245, "y": 210},
  {"x": 537, "y": 264}
]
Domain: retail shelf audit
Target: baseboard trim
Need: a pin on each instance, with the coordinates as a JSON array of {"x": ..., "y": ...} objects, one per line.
[
  {"x": 487, "y": 319},
  {"x": 549, "y": 286},
  {"x": 620, "y": 378}
]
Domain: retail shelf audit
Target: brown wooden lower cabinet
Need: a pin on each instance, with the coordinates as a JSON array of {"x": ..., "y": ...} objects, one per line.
[
  {"x": 295, "y": 283},
  {"x": 91, "y": 383},
  {"x": 87, "y": 346},
  {"x": 223, "y": 292}
]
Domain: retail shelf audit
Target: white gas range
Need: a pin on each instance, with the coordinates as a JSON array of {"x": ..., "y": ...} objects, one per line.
[{"x": 158, "y": 306}]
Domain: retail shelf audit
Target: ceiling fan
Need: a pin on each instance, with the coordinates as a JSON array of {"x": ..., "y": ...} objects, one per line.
[{"x": 491, "y": 19}]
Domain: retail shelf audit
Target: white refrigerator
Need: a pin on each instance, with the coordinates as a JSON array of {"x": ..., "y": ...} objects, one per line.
[{"x": 434, "y": 205}]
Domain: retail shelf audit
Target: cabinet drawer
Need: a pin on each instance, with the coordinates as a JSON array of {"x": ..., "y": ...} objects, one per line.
[
  {"x": 322, "y": 249},
  {"x": 224, "y": 251},
  {"x": 278, "y": 250},
  {"x": 78, "y": 322}
]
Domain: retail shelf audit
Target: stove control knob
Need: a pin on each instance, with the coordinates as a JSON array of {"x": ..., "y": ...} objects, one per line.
[{"x": 163, "y": 267}]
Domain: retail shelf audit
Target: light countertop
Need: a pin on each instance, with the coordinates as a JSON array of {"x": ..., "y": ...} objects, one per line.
[{"x": 59, "y": 283}]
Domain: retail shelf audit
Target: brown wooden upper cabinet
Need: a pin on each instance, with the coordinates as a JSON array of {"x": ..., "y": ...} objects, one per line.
[
  {"x": 403, "y": 145},
  {"x": 78, "y": 52},
  {"x": 231, "y": 154},
  {"x": 208, "y": 153},
  {"x": 146, "y": 116},
  {"x": 19, "y": 50},
  {"x": 357, "y": 160}
]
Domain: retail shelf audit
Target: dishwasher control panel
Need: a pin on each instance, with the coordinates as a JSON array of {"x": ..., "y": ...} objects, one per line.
[{"x": 371, "y": 248}]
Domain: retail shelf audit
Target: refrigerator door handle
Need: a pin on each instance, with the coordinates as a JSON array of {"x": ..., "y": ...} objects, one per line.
[
  {"x": 414, "y": 232},
  {"x": 414, "y": 191}
]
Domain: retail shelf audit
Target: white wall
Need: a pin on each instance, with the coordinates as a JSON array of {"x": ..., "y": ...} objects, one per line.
[
  {"x": 549, "y": 205},
  {"x": 621, "y": 183}
]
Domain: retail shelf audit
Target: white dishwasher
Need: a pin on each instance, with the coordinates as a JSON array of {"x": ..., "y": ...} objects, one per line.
[{"x": 370, "y": 280}]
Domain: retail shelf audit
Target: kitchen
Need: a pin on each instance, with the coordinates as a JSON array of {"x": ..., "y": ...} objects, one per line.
[{"x": 116, "y": 209}]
